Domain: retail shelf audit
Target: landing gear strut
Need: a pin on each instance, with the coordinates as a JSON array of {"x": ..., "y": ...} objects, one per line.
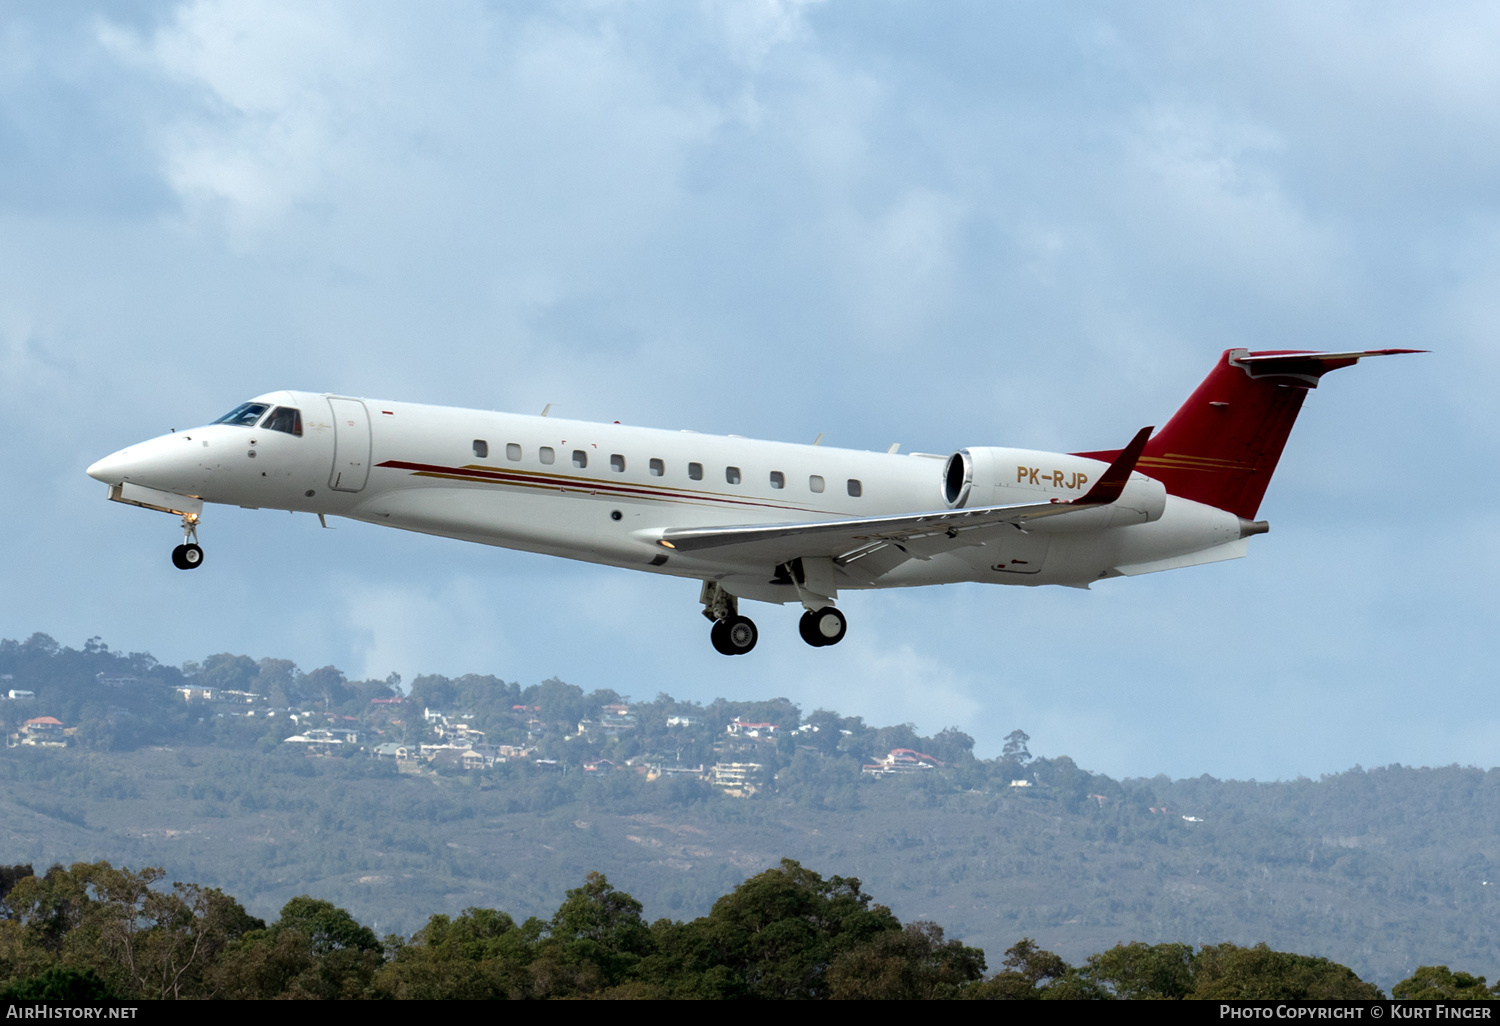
[
  {"x": 825, "y": 626},
  {"x": 732, "y": 634},
  {"x": 188, "y": 555}
]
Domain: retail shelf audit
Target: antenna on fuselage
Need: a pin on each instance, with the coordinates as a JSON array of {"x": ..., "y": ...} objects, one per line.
[
  {"x": 819, "y": 439},
  {"x": 895, "y": 448},
  {"x": 546, "y": 409}
]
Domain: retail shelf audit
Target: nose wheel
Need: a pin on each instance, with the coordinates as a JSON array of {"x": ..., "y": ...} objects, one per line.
[
  {"x": 826, "y": 626},
  {"x": 188, "y": 555}
]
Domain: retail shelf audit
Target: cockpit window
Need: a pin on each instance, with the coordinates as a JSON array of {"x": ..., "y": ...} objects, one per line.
[
  {"x": 244, "y": 415},
  {"x": 285, "y": 418}
]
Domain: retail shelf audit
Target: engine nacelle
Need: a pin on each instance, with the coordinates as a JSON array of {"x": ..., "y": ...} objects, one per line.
[{"x": 994, "y": 476}]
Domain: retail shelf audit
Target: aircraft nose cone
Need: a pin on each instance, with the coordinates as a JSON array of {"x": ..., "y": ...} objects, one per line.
[{"x": 113, "y": 468}]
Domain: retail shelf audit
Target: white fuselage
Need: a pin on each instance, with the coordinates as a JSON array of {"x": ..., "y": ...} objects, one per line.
[{"x": 606, "y": 492}]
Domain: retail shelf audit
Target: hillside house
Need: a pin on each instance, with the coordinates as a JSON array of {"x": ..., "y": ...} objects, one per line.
[
  {"x": 655, "y": 771},
  {"x": 324, "y": 742},
  {"x": 738, "y": 779},
  {"x": 459, "y": 732},
  {"x": 901, "y": 760},
  {"x": 465, "y": 759},
  {"x": 615, "y": 718},
  {"x": 740, "y": 728},
  {"x": 117, "y": 680},
  {"x": 43, "y": 732}
]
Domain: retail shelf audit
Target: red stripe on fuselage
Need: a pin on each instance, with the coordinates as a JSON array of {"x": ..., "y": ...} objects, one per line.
[{"x": 532, "y": 479}]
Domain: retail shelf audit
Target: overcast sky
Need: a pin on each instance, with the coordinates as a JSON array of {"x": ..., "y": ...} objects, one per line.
[{"x": 939, "y": 224}]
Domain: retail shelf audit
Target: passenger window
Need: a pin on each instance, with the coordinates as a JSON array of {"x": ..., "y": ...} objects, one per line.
[
  {"x": 778, "y": 479},
  {"x": 695, "y": 471},
  {"x": 658, "y": 468},
  {"x": 546, "y": 455},
  {"x": 815, "y": 483},
  {"x": 512, "y": 451},
  {"x": 580, "y": 458},
  {"x": 732, "y": 475},
  {"x": 481, "y": 448},
  {"x": 617, "y": 463},
  {"x": 286, "y": 419},
  {"x": 855, "y": 488}
]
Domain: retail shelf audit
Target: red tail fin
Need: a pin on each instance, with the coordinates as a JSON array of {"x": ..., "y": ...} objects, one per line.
[{"x": 1222, "y": 446}]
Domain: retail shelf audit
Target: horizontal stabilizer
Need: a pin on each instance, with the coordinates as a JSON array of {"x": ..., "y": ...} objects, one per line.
[{"x": 1306, "y": 368}]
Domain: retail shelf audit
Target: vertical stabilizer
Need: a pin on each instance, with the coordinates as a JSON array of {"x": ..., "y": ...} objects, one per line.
[{"x": 1222, "y": 446}]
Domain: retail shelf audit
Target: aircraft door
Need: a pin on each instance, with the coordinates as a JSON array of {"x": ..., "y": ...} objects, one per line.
[{"x": 351, "y": 445}]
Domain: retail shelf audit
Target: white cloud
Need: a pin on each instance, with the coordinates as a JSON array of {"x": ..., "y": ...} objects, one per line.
[
  {"x": 899, "y": 266},
  {"x": 271, "y": 87},
  {"x": 753, "y": 28},
  {"x": 446, "y": 626},
  {"x": 1206, "y": 193}
]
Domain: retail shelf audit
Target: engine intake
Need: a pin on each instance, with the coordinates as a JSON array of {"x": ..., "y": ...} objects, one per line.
[{"x": 993, "y": 476}]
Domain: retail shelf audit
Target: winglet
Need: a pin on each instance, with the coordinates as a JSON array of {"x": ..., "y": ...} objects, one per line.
[{"x": 1112, "y": 485}]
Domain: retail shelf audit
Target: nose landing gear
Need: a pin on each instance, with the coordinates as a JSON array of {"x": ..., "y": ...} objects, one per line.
[{"x": 188, "y": 555}]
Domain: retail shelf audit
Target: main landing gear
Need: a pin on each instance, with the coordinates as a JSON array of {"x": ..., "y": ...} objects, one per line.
[
  {"x": 188, "y": 555},
  {"x": 733, "y": 634},
  {"x": 825, "y": 626}
]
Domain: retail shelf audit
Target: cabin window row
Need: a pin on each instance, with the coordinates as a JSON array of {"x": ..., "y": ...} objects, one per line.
[{"x": 658, "y": 468}]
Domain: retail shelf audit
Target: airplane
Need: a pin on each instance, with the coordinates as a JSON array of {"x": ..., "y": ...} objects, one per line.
[{"x": 758, "y": 520}]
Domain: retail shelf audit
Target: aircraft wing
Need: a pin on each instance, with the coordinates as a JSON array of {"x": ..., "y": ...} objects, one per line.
[{"x": 778, "y": 543}]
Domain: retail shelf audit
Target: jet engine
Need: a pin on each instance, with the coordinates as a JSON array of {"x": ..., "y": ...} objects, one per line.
[{"x": 995, "y": 476}]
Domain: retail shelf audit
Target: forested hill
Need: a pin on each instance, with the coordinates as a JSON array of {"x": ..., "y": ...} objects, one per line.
[{"x": 524, "y": 790}]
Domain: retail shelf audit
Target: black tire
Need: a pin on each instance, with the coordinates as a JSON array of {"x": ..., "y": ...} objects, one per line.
[
  {"x": 808, "y": 628},
  {"x": 829, "y": 625},
  {"x": 740, "y": 634},
  {"x": 719, "y": 637},
  {"x": 192, "y": 557},
  {"x": 177, "y": 559}
]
